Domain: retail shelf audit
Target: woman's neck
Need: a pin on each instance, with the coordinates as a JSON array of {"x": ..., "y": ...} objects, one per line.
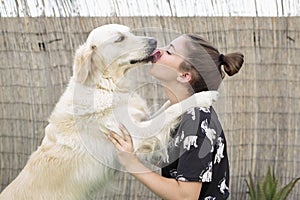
[{"x": 177, "y": 93}]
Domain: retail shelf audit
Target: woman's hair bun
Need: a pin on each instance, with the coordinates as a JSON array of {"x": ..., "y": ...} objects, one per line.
[{"x": 232, "y": 63}]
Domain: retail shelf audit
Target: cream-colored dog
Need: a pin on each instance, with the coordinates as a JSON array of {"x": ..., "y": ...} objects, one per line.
[{"x": 75, "y": 157}]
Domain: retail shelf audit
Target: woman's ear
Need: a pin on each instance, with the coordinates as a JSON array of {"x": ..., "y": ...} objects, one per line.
[{"x": 184, "y": 77}]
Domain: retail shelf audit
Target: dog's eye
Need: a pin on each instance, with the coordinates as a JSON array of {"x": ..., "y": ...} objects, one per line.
[
  {"x": 120, "y": 39},
  {"x": 168, "y": 52}
]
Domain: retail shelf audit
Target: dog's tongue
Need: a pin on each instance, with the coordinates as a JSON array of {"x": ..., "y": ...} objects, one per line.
[{"x": 155, "y": 56}]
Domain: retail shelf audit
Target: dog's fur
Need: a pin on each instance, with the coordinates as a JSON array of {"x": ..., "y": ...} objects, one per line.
[{"x": 75, "y": 156}]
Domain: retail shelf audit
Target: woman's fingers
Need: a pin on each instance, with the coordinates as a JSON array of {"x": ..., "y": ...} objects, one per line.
[
  {"x": 127, "y": 136},
  {"x": 117, "y": 140},
  {"x": 114, "y": 140},
  {"x": 116, "y": 137},
  {"x": 121, "y": 143}
]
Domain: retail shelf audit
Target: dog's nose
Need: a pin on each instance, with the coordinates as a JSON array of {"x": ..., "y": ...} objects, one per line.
[{"x": 152, "y": 42}]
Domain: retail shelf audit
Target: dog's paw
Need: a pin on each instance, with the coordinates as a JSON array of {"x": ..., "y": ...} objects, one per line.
[
  {"x": 214, "y": 95},
  {"x": 205, "y": 99}
]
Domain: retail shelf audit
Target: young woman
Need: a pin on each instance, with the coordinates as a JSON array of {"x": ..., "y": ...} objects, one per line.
[{"x": 198, "y": 165}]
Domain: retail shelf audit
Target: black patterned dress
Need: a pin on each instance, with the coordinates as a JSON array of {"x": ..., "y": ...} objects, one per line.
[{"x": 197, "y": 152}]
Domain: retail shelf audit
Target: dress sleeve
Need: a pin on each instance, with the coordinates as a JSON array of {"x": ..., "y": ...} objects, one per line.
[{"x": 196, "y": 146}]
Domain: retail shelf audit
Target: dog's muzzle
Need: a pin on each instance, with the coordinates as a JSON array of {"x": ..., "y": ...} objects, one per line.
[{"x": 148, "y": 58}]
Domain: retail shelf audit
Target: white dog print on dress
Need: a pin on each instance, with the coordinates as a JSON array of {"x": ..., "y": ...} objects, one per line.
[
  {"x": 189, "y": 141},
  {"x": 210, "y": 198},
  {"x": 206, "y": 175},
  {"x": 182, "y": 178},
  {"x": 220, "y": 149},
  {"x": 210, "y": 133},
  {"x": 173, "y": 173},
  {"x": 206, "y": 110},
  {"x": 223, "y": 186},
  {"x": 191, "y": 111},
  {"x": 178, "y": 139}
]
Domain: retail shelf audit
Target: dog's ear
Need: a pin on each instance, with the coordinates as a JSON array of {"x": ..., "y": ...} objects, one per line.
[{"x": 88, "y": 65}]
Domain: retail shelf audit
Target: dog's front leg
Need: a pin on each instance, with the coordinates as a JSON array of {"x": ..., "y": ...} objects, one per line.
[
  {"x": 156, "y": 131},
  {"x": 202, "y": 99}
]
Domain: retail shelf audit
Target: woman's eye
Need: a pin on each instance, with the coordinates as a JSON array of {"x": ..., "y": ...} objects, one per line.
[
  {"x": 120, "y": 39},
  {"x": 168, "y": 52}
]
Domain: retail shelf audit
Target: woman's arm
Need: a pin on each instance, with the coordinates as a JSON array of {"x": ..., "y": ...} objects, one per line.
[{"x": 165, "y": 188}]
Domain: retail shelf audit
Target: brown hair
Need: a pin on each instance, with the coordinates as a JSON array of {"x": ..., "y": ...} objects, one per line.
[{"x": 207, "y": 65}]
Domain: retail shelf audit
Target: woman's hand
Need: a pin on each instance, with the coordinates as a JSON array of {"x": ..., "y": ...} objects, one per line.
[
  {"x": 124, "y": 146},
  {"x": 166, "y": 188}
]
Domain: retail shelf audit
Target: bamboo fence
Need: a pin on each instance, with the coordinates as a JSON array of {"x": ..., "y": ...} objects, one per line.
[{"x": 259, "y": 108}]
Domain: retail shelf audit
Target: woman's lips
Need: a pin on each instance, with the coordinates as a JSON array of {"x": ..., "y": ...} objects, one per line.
[{"x": 155, "y": 56}]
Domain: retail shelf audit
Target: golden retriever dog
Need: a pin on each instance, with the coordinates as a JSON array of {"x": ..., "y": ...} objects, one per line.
[{"x": 75, "y": 157}]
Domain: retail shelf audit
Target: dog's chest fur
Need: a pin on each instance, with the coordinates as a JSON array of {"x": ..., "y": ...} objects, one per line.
[{"x": 83, "y": 116}]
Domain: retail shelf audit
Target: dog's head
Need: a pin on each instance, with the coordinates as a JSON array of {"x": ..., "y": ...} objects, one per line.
[{"x": 109, "y": 51}]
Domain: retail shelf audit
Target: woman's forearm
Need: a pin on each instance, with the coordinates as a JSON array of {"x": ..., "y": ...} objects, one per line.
[{"x": 165, "y": 188}]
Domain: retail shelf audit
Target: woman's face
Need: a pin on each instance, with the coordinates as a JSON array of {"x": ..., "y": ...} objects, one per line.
[{"x": 166, "y": 61}]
